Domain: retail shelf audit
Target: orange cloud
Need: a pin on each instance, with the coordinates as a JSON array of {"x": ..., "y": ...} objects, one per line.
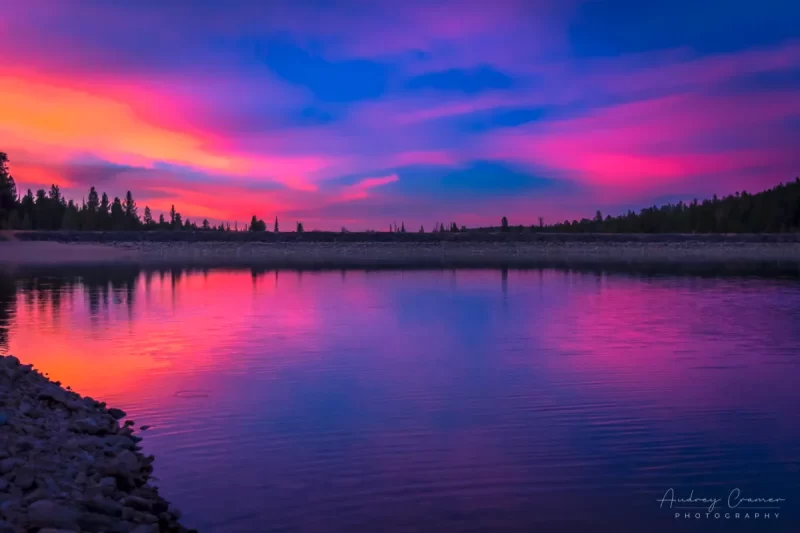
[{"x": 53, "y": 120}]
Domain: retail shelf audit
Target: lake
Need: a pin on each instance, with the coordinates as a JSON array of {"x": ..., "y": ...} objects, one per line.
[{"x": 436, "y": 401}]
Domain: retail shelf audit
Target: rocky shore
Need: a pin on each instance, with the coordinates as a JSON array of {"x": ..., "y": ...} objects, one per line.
[{"x": 68, "y": 465}]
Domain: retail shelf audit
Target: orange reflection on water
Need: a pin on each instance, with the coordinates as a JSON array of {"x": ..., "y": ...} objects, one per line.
[{"x": 151, "y": 329}]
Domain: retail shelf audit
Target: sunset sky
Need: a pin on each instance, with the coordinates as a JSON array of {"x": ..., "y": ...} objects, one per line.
[{"x": 371, "y": 112}]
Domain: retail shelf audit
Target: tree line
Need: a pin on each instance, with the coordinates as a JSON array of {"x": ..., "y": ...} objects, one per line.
[
  {"x": 50, "y": 210},
  {"x": 774, "y": 210}
]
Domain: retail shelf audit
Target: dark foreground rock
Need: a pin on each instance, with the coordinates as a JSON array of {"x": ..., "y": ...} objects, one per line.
[{"x": 67, "y": 465}]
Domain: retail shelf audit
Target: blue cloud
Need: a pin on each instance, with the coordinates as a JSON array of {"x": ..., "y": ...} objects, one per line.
[
  {"x": 472, "y": 81},
  {"x": 710, "y": 26},
  {"x": 479, "y": 179},
  {"x": 330, "y": 81}
]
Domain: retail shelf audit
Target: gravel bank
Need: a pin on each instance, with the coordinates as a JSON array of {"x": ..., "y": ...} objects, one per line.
[
  {"x": 67, "y": 465},
  {"x": 309, "y": 255}
]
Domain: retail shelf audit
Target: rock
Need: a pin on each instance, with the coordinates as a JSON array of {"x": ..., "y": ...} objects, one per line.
[
  {"x": 10, "y": 507},
  {"x": 119, "y": 441},
  {"x": 3, "y": 419},
  {"x": 53, "y": 394},
  {"x": 51, "y": 530},
  {"x": 47, "y": 513},
  {"x": 7, "y": 465},
  {"x": 174, "y": 511},
  {"x": 116, "y": 413},
  {"x": 3, "y": 485},
  {"x": 25, "y": 445},
  {"x": 128, "y": 460},
  {"x": 5, "y": 527},
  {"x": 97, "y": 523},
  {"x": 107, "y": 485},
  {"x": 102, "y": 505},
  {"x": 146, "y": 528},
  {"x": 140, "y": 504},
  {"x": 24, "y": 478}
]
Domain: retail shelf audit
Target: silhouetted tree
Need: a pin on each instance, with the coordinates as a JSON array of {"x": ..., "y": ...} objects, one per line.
[
  {"x": 131, "y": 212},
  {"x": 504, "y": 224},
  {"x": 8, "y": 191},
  {"x": 257, "y": 225},
  {"x": 205, "y": 223},
  {"x": 148, "y": 217},
  {"x": 299, "y": 227},
  {"x": 422, "y": 229},
  {"x": 402, "y": 227},
  {"x": 117, "y": 215},
  {"x": 275, "y": 229}
]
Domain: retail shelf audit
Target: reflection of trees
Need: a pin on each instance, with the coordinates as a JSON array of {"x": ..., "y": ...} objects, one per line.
[{"x": 8, "y": 296}]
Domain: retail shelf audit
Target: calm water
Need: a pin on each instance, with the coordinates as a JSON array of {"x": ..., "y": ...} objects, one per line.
[{"x": 434, "y": 401}]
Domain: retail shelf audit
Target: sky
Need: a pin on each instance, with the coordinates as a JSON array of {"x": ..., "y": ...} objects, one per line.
[{"x": 359, "y": 114}]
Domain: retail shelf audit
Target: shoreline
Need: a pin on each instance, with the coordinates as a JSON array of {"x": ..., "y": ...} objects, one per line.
[
  {"x": 66, "y": 463},
  {"x": 690, "y": 254}
]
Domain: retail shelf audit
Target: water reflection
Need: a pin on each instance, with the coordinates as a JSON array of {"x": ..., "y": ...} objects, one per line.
[{"x": 430, "y": 401}]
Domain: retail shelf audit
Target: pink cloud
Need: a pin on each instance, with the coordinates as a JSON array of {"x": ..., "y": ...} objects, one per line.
[
  {"x": 361, "y": 189},
  {"x": 644, "y": 145}
]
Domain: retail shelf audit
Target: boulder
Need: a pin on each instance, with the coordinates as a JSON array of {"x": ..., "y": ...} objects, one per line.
[
  {"x": 116, "y": 413},
  {"x": 47, "y": 513}
]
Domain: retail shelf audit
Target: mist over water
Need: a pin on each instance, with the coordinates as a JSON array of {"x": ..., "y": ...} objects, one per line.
[{"x": 433, "y": 400}]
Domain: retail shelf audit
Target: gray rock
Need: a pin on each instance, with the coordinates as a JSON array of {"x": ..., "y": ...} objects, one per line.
[
  {"x": 107, "y": 485},
  {"x": 128, "y": 460},
  {"x": 3, "y": 485},
  {"x": 97, "y": 523},
  {"x": 53, "y": 394},
  {"x": 5, "y": 527},
  {"x": 146, "y": 528},
  {"x": 47, "y": 513},
  {"x": 140, "y": 504},
  {"x": 3, "y": 419},
  {"x": 24, "y": 478},
  {"x": 102, "y": 505},
  {"x": 119, "y": 441},
  {"x": 7, "y": 465},
  {"x": 51, "y": 530},
  {"x": 116, "y": 413},
  {"x": 10, "y": 507},
  {"x": 174, "y": 511}
]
